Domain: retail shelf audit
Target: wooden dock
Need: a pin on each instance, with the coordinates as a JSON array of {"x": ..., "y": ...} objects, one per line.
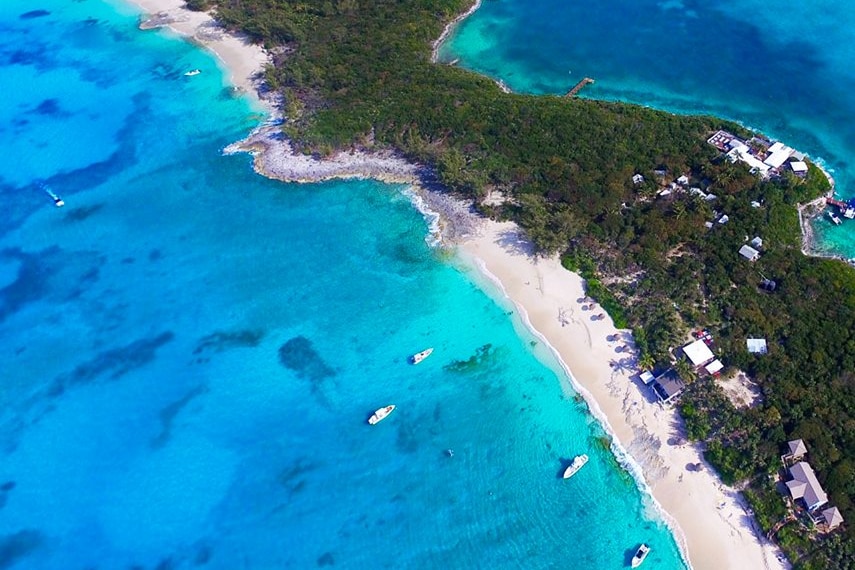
[{"x": 578, "y": 87}]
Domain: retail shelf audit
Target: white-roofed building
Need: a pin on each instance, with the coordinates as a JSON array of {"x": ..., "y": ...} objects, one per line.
[
  {"x": 742, "y": 153},
  {"x": 756, "y": 345},
  {"x": 757, "y": 242},
  {"x": 749, "y": 253},
  {"x": 714, "y": 367},
  {"x": 698, "y": 352},
  {"x": 799, "y": 167},
  {"x": 778, "y": 155},
  {"x": 637, "y": 179},
  {"x": 737, "y": 144},
  {"x": 805, "y": 486},
  {"x": 683, "y": 180},
  {"x": 646, "y": 377}
]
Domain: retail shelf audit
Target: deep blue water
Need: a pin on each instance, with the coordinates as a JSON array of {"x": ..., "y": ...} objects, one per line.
[
  {"x": 786, "y": 71},
  {"x": 190, "y": 351}
]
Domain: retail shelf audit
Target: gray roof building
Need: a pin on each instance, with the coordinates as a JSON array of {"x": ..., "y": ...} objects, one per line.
[
  {"x": 797, "y": 448},
  {"x": 832, "y": 517},
  {"x": 749, "y": 253},
  {"x": 805, "y": 486},
  {"x": 668, "y": 385}
]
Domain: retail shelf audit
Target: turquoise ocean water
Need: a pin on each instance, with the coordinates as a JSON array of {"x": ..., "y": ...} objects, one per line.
[
  {"x": 786, "y": 71},
  {"x": 190, "y": 351}
]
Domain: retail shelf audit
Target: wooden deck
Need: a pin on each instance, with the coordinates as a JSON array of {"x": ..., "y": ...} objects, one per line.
[{"x": 578, "y": 87}]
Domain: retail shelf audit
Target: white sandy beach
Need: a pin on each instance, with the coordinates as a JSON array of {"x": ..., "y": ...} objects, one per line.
[
  {"x": 243, "y": 61},
  {"x": 711, "y": 524}
]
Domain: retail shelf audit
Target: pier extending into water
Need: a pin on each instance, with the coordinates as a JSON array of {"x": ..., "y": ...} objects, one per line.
[{"x": 578, "y": 87}]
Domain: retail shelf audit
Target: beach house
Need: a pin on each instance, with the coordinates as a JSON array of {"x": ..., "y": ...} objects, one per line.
[
  {"x": 805, "y": 487},
  {"x": 698, "y": 353},
  {"x": 668, "y": 385}
]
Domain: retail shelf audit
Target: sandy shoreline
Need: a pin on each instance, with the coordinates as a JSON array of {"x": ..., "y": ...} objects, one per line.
[
  {"x": 709, "y": 519},
  {"x": 243, "y": 61},
  {"x": 712, "y": 526}
]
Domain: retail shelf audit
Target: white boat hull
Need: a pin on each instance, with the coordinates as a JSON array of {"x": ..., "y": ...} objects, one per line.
[
  {"x": 573, "y": 468},
  {"x": 380, "y": 415},
  {"x": 416, "y": 358}
]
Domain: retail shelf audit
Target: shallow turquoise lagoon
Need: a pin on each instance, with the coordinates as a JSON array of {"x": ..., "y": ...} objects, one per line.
[{"x": 191, "y": 351}]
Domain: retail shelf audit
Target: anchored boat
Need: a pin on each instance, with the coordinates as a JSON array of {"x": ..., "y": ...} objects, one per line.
[
  {"x": 640, "y": 555},
  {"x": 416, "y": 358},
  {"x": 380, "y": 414},
  {"x": 578, "y": 462}
]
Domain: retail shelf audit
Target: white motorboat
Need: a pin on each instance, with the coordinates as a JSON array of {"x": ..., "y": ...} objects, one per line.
[
  {"x": 380, "y": 414},
  {"x": 640, "y": 555},
  {"x": 193, "y": 72},
  {"x": 578, "y": 462},
  {"x": 57, "y": 201},
  {"x": 416, "y": 358}
]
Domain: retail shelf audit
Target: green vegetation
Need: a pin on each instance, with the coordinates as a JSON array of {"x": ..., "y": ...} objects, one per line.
[{"x": 357, "y": 73}]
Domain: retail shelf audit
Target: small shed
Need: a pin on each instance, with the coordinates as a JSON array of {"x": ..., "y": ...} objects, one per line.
[
  {"x": 637, "y": 179},
  {"x": 832, "y": 517},
  {"x": 724, "y": 219},
  {"x": 756, "y": 345},
  {"x": 757, "y": 242},
  {"x": 646, "y": 377},
  {"x": 749, "y": 253},
  {"x": 714, "y": 367},
  {"x": 797, "y": 448},
  {"x": 799, "y": 167},
  {"x": 683, "y": 180},
  {"x": 698, "y": 352}
]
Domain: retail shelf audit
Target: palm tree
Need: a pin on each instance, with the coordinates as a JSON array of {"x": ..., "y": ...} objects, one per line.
[
  {"x": 646, "y": 361},
  {"x": 686, "y": 371}
]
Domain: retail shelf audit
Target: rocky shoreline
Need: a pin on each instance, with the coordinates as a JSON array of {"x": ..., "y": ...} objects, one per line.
[{"x": 451, "y": 218}]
